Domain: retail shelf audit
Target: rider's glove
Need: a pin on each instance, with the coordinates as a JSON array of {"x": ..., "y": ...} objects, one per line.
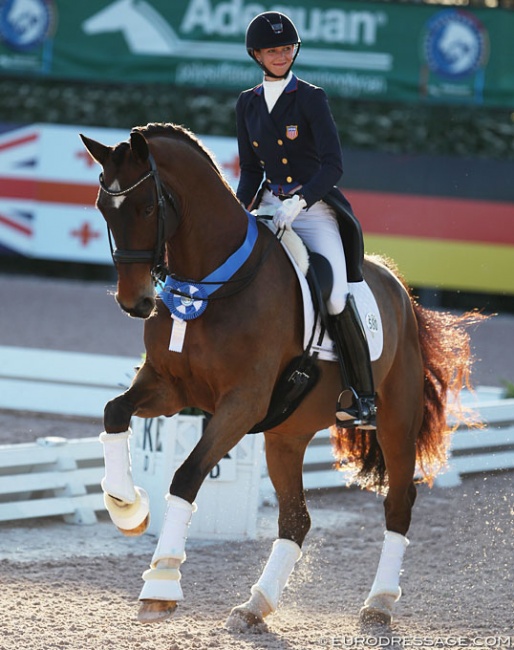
[{"x": 288, "y": 211}]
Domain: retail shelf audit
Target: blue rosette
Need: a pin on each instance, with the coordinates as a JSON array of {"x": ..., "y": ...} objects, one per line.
[{"x": 185, "y": 300}]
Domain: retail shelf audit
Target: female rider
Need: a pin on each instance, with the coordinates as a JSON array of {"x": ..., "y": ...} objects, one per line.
[{"x": 288, "y": 139}]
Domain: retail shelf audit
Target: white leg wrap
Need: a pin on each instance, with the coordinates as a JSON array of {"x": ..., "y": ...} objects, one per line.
[
  {"x": 162, "y": 580},
  {"x": 118, "y": 474},
  {"x": 279, "y": 567},
  {"x": 387, "y": 579}
]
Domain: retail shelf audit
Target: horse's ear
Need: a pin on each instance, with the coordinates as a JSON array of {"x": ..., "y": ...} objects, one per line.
[
  {"x": 139, "y": 146},
  {"x": 99, "y": 151}
]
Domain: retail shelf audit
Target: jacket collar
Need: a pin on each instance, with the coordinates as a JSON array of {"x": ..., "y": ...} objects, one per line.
[{"x": 291, "y": 87}]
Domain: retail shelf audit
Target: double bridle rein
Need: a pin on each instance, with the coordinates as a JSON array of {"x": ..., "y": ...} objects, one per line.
[{"x": 157, "y": 255}]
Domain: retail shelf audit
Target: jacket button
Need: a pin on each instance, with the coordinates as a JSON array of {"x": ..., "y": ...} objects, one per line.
[
  {"x": 261, "y": 163},
  {"x": 280, "y": 142},
  {"x": 255, "y": 143},
  {"x": 285, "y": 161},
  {"x": 289, "y": 179}
]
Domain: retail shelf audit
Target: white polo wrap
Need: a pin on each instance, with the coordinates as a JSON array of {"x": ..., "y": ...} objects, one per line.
[
  {"x": 162, "y": 580},
  {"x": 172, "y": 540},
  {"x": 118, "y": 473},
  {"x": 284, "y": 555},
  {"x": 387, "y": 579}
]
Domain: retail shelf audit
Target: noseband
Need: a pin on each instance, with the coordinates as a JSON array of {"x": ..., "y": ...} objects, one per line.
[{"x": 155, "y": 256}]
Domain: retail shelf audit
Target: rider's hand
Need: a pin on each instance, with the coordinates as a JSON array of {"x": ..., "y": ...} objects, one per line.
[{"x": 288, "y": 211}]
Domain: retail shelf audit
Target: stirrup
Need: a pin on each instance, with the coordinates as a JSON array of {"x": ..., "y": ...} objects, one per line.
[{"x": 362, "y": 414}]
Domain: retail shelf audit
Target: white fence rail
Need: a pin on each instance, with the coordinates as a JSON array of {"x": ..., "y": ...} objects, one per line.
[
  {"x": 482, "y": 450},
  {"x": 55, "y": 477},
  {"x": 64, "y": 383},
  {"x": 51, "y": 477}
]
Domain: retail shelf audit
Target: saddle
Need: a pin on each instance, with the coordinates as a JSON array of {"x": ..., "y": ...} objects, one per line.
[{"x": 302, "y": 373}]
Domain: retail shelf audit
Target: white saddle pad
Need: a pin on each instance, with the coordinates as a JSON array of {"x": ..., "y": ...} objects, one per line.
[
  {"x": 370, "y": 318},
  {"x": 366, "y": 306}
]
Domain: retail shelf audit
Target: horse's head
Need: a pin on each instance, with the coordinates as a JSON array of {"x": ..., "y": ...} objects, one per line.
[{"x": 135, "y": 207}]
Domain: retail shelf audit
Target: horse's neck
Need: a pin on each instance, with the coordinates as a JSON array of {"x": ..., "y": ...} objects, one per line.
[
  {"x": 212, "y": 228},
  {"x": 212, "y": 223}
]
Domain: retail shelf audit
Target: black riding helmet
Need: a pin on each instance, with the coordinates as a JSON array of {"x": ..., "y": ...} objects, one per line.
[{"x": 271, "y": 29}]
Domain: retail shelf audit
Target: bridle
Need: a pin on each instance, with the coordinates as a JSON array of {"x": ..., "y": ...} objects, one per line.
[
  {"x": 159, "y": 270},
  {"x": 157, "y": 254}
]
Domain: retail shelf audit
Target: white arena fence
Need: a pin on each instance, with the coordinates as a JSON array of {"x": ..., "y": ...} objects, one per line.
[{"x": 58, "y": 477}]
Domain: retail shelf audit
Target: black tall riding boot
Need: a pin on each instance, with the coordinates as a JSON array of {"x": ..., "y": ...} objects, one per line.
[{"x": 348, "y": 335}]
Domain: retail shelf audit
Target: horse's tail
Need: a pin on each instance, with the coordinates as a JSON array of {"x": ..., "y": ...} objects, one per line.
[
  {"x": 445, "y": 349},
  {"x": 447, "y": 361}
]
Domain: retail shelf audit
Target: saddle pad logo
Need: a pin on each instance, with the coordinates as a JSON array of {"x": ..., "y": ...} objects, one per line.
[{"x": 292, "y": 132}]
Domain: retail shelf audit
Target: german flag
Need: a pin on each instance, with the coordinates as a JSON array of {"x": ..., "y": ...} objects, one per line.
[{"x": 447, "y": 222}]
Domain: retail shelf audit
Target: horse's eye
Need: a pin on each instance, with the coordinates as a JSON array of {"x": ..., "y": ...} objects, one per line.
[{"x": 149, "y": 210}]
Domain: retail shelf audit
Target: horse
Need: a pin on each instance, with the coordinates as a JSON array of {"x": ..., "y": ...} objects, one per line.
[{"x": 171, "y": 213}]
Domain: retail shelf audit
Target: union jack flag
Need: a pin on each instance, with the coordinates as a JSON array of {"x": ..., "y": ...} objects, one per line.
[{"x": 16, "y": 230}]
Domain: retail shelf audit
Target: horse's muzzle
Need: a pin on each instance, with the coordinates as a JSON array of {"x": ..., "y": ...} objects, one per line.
[{"x": 142, "y": 309}]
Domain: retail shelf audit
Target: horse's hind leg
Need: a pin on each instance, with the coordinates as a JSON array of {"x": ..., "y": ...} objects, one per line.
[
  {"x": 401, "y": 421},
  {"x": 284, "y": 456},
  {"x": 385, "y": 591}
]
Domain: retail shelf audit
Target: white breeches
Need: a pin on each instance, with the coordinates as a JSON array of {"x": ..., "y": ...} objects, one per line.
[{"x": 318, "y": 228}]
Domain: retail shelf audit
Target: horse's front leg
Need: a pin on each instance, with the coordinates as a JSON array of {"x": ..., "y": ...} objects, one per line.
[
  {"x": 127, "y": 504},
  {"x": 284, "y": 456},
  {"x": 161, "y": 590}
]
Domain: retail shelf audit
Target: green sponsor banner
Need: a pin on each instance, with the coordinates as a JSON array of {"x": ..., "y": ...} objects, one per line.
[{"x": 353, "y": 49}]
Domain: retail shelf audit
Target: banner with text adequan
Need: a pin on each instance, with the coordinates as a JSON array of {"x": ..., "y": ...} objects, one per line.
[{"x": 353, "y": 49}]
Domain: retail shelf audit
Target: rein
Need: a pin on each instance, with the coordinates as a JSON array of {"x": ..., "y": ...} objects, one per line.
[{"x": 156, "y": 255}]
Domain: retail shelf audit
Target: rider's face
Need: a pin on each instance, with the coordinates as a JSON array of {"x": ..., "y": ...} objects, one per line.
[{"x": 277, "y": 60}]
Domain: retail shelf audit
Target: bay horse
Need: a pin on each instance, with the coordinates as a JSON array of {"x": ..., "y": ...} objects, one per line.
[{"x": 168, "y": 206}]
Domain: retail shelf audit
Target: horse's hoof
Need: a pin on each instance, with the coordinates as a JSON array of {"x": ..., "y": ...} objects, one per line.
[
  {"x": 242, "y": 619},
  {"x": 138, "y": 530},
  {"x": 378, "y": 612},
  {"x": 130, "y": 518},
  {"x": 156, "y": 611}
]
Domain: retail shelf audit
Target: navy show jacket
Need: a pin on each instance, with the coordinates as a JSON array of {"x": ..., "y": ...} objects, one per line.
[{"x": 296, "y": 144}]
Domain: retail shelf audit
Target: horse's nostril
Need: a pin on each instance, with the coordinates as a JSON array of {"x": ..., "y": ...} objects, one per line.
[
  {"x": 142, "y": 309},
  {"x": 145, "y": 306}
]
